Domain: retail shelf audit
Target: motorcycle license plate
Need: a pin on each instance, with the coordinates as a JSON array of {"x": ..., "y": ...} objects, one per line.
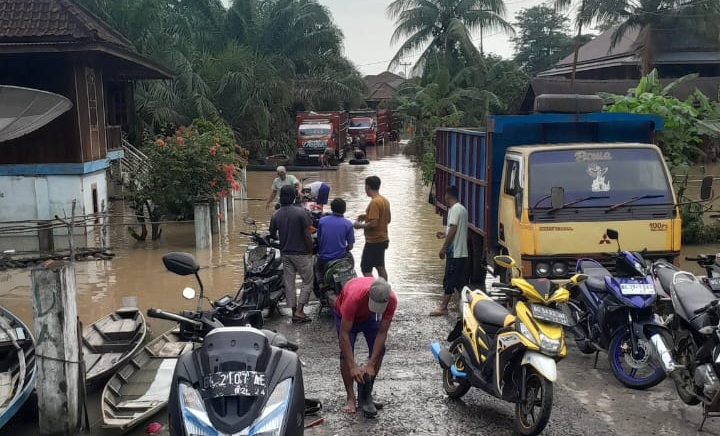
[
  {"x": 544, "y": 313},
  {"x": 714, "y": 283},
  {"x": 637, "y": 288},
  {"x": 232, "y": 383},
  {"x": 344, "y": 276}
]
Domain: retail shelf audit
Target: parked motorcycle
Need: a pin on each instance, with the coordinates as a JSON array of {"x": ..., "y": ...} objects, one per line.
[
  {"x": 614, "y": 313},
  {"x": 330, "y": 280},
  {"x": 711, "y": 264},
  {"x": 263, "y": 287},
  {"x": 237, "y": 380},
  {"x": 509, "y": 354}
]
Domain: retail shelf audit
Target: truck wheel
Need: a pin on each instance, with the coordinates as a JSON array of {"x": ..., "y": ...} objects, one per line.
[{"x": 571, "y": 103}]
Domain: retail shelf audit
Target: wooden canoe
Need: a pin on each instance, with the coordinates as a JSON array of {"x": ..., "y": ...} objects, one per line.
[
  {"x": 17, "y": 365},
  {"x": 109, "y": 342},
  {"x": 141, "y": 387}
]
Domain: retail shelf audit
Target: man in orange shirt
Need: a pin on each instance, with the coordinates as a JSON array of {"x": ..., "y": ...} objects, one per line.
[{"x": 375, "y": 222}]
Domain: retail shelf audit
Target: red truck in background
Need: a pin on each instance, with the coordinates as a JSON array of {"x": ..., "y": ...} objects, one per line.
[
  {"x": 378, "y": 126},
  {"x": 317, "y": 132}
]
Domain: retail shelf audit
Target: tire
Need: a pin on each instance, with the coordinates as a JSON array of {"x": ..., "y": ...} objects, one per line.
[
  {"x": 359, "y": 162},
  {"x": 539, "y": 393},
  {"x": 568, "y": 103},
  {"x": 583, "y": 345},
  {"x": 685, "y": 395},
  {"x": 616, "y": 358},
  {"x": 455, "y": 388}
]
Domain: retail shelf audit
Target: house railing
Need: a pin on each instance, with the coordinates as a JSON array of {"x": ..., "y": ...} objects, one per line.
[{"x": 134, "y": 161}]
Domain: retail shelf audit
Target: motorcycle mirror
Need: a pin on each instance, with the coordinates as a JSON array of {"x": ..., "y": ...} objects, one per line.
[
  {"x": 612, "y": 234},
  {"x": 182, "y": 264},
  {"x": 578, "y": 278},
  {"x": 505, "y": 261},
  {"x": 249, "y": 221},
  {"x": 706, "y": 188},
  {"x": 188, "y": 293}
]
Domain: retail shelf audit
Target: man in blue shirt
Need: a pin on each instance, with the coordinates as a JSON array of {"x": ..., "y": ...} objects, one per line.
[{"x": 335, "y": 234}]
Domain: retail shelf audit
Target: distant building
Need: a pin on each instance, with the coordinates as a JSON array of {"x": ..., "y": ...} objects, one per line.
[
  {"x": 61, "y": 47},
  {"x": 382, "y": 87}
]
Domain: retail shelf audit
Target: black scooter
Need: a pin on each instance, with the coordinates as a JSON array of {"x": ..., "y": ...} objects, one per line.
[
  {"x": 263, "y": 287},
  {"x": 237, "y": 380}
]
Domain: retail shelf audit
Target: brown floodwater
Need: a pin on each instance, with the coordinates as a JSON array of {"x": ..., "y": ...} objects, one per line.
[{"x": 137, "y": 269}]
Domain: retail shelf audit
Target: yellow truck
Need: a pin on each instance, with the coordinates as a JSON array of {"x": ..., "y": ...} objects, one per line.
[{"x": 544, "y": 188}]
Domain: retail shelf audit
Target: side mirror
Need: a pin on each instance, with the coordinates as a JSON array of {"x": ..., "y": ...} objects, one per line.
[
  {"x": 612, "y": 234},
  {"x": 557, "y": 197},
  {"x": 248, "y": 220},
  {"x": 706, "y": 188},
  {"x": 505, "y": 261},
  {"x": 182, "y": 264},
  {"x": 578, "y": 278},
  {"x": 188, "y": 293}
]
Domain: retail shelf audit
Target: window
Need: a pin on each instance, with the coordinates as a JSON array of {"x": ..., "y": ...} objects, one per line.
[
  {"x": 513, "y": 175},
  {"x": 314, "y": 130}
]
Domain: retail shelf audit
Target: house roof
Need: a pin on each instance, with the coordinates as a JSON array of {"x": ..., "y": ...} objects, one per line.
[
  {"x": 42, "y": 26},
  {"x": 710, "y": 86},
  {"x": 383, "y": 86}
]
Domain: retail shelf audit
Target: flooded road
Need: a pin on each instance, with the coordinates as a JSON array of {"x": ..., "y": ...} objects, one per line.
[{"x": 587, "y": 401}]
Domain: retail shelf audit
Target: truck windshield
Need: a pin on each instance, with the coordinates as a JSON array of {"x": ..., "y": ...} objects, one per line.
[
  {"x": 610, "y": 176},
  {"x": 360, "y": 123},
  {"x": 314, "y": 131}
]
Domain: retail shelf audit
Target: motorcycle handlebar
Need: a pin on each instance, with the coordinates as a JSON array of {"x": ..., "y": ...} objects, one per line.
[
  {"x": 161, "y": 314},
  {"x": 500, "y": 285}
]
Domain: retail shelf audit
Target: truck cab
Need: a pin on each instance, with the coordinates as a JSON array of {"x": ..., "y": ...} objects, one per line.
[
  {"x": 318, "y": 133},
  {"x": 363, "y": 127}
]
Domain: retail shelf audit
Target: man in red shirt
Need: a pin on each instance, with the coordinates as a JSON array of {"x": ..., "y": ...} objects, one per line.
[{"x": 365, "y": 305}]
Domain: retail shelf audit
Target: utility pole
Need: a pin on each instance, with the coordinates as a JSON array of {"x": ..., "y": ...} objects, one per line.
[{"x": 405, "y": 64}]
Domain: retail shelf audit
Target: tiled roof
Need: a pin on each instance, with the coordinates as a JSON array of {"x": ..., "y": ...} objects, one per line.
[{"x": 47, "y": 21}]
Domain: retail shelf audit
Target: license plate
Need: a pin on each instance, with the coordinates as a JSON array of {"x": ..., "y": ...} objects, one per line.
[
  {"x": 344, "y": 276},
  {"x": 714, "y": 283},
  {"x": 232, "y": 383},
  {"x": 637, "y": 288},
  {"x": 544, "y": 313}
]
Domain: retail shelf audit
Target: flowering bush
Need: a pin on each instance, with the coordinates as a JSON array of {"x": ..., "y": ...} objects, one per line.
[{"x": 201, "y": 161}]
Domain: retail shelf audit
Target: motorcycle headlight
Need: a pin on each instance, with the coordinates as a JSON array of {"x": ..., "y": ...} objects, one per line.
[
  {"x": 549, "y": 346},
  {"x": 525, "y": 332},
  {"x": 269, "y": 423}
]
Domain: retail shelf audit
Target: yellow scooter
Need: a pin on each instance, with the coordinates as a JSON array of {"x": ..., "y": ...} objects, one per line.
[{"x": 509, "y": 354}]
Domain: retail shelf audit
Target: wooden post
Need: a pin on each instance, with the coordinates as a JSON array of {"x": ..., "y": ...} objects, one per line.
[
  {"x": 203, "y": 235},
  {"x": 214, "y": 218},
  {"x": 55, "y": 324},
  {"x": 46, "y": 241}
]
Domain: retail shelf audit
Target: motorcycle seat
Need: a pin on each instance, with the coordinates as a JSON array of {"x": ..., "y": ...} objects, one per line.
[
  {"x": 664, "y": 273},
  {"x": 692, "y": 295},
  {"x": 596, "y": 275},
  {"x": 491, "y": 314}
]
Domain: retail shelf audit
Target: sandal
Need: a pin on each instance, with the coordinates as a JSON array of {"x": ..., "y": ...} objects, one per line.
[
  {"x": 301, "y": 319},
  {"x": 439, "y": 312}
]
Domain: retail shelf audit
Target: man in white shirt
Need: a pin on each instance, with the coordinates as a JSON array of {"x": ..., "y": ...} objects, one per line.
[
  {"x": 454, "y": 248},
  {"x": 281, "y": 180}
]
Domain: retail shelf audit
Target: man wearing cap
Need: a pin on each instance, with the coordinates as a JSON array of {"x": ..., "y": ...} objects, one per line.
[
  {"x": 283, "y": 179},
  {"x": 293, "y": 223},
  {"x": 365, "y": 305}
]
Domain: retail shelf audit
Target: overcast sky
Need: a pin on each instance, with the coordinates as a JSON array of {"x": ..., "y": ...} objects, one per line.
[{"x": 368, "y": 30}]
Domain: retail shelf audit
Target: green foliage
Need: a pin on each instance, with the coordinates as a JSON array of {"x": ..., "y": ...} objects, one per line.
[
  {"x": 197, "y": 162},
  {"x": 543, "y": 38},
  {"x": 681, "y": 136}
]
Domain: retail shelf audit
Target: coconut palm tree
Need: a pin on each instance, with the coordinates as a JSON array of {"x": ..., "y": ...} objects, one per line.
[{"x": 444, "y": 27}]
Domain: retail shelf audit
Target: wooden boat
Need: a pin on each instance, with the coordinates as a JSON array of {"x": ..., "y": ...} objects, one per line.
[
  {"x": 109, "y": 342},
  {"x": 17, "y": 365},
  {"x": 141, "y": 387}
]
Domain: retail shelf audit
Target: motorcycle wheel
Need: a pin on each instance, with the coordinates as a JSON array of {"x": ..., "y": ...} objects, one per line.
[
  {"x": 583, "y": 345},
  {"x": 684, "y": 393},
  {"x": 617, "y": 355},
  {"x": 533, "y": 414},
  {"x": 455, "y": 388}
]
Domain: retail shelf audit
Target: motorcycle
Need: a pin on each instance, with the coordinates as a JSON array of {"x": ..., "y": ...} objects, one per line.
[
  {"x": 509, "y": 354},
  {"x": 330, "y": 280},
  {"x": 614, "y": 313},
  {"x": 263, "y": 287},
  {"x": 237, "y": 380},
  {"x": 711, "y": 264},
  {"x": 695, "y": 325}
]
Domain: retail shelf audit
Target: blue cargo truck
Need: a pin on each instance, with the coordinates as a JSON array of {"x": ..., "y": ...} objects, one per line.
[{"x": 544, "y": 188}]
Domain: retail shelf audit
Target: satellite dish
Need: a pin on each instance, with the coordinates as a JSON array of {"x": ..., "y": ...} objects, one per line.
[{"x": 24, "y": 110}]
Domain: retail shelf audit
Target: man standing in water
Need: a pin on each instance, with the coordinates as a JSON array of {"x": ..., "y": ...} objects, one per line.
[
  {"x": 454, "y": 248},
  {"x": 283, "y": 179},
  {"x": 375, "y": 222},
  {"x": 365, "y": 305}
]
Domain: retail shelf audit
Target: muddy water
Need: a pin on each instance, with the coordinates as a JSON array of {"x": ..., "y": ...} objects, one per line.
[{"x": 137, "y": 270}]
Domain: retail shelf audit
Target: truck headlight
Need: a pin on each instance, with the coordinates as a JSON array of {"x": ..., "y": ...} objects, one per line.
[
  {"x": 559, "y": 269},
  {"x": 542, "y": 269}
]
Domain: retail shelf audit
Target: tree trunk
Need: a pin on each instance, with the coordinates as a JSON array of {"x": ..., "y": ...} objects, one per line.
[{"x": 577, "y": 46}]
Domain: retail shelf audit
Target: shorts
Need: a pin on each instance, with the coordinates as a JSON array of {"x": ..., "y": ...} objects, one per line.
[
  {"x": 369, "y": 328},
  {"x": 373, "y": 256},
  {"x": 454, "y": 279}
]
